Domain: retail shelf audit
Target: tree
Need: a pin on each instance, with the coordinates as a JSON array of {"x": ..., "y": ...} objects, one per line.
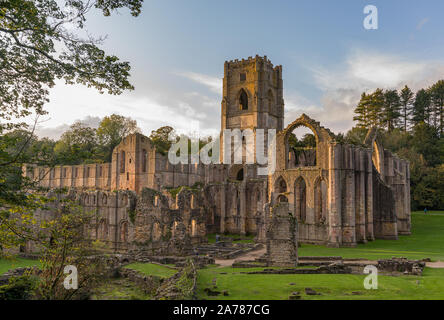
[
  {"x": 437, "y": 98},
  {"x": 362, "y": 111},
  {"x": 37, "y": 47},
  {"x": 406, "y": 100},
  {"x": 111, "y": 131},
  {"x": 421, "y": 107},
  {"x": 356, "y": 136},
  {"x": 375, "y": 109},
  {"x": 390, "y": 113},
  {"x": 160, "y": 138},
  {"x": 77, "y": 145}
]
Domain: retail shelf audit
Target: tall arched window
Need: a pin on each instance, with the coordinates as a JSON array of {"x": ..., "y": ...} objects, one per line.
[
  {"x": 280, "y": 185},
  {"x": 124, "y": 231},
  {"x": 300, "y": 199},
  {"x": 243, "y": 100},
  {"x": 240, "y": 175},
  {"x": 144, "y": 160},
  {"x": 122, "y": 161},
  {"x": 320, "y": 201}
]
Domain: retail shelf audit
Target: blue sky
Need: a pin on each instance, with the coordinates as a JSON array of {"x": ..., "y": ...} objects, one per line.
[{"x": 177, "y": 50}]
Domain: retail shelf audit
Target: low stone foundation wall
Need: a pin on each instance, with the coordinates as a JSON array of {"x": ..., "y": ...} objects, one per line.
[
  {"x": 402, "y": 265},
  {"x": 181, "y": 286},
  {"x": 199, "y": 261},
  {"x": 149, "y": 284}
]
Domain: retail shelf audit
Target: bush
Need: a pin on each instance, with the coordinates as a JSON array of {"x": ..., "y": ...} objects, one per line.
[{"x": 19, "y": 288}]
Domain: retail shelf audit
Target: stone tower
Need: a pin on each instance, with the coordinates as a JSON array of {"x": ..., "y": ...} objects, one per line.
[{"x": 252, "y": 96}]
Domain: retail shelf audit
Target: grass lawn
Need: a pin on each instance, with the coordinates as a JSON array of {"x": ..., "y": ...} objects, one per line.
[
  {"x": 277, "y": 287},
  {"x": 152, "y": 269},
  {"x": 426, "y": 241},
  {"x": 8, "y": 264},
  {"x": 119, "y": 289}
]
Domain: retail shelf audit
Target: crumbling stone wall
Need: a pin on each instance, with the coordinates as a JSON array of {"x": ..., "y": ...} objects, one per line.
[
  {"x": 340, "y": 194},
  {"x": 282, "y": 238}
]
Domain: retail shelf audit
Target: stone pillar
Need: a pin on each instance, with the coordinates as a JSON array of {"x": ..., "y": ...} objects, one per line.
[
  {"x": 360, "y": 197},
  {"x": 334, "y": 196},
  {"x": 282, "y": 235},
  {"x": 222, "y": 208},
  {"x": 349, "y": 221},
  {"x": 243, "y": 206},
  {"x": 369, "y": 195}
]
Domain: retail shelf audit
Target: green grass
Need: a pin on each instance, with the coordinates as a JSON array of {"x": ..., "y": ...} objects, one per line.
[
  {"x": 277, "y": 287},
  {"x": 119, "y": 289},
  {"x": 8, "y": 264},
  {"x": 245, "y": 239},
  {"x": 152, "y": 269},
  {"x": 426, "y": 241}
]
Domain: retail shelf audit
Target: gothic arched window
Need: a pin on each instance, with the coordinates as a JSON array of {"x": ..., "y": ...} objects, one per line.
[
  {"x": 144, "y": 156},
  {"x": 243, "y": 100},
  {"x": 122, "y": 162}
]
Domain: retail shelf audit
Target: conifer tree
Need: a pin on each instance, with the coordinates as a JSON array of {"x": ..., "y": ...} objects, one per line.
[
  {"x": 376, "y": 105},
  {"x": 390, "y": 114},
  {"x": 421, "y": 108},
  {"x": 406, "y": 97},
  {"x": 437, "y": 99},
  {"x": 361, "y": 112}
]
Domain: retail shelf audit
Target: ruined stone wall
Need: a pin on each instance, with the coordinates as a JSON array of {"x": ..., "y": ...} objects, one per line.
[
  {"x": 367, "y": 189},
  {"x": 282, "y": 238}
]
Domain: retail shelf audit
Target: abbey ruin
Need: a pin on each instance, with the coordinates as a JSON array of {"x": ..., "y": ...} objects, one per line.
[{"x": 339, "y": 194}]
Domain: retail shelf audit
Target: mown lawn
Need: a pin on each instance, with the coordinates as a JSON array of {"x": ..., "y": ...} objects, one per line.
[
  {"x": 426, "y": 241},
  {"x": 152, "y": 269},
  {"x": 8, "y": 264},
  {"x": 279, "y": 287}
]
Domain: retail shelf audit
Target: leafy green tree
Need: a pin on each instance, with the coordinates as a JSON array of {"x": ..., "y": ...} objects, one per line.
[
  {"x": 160, "y": 138},
  {"x": 356, "y": 136},
  {"x": 111, "y": 131},
  {"x": 406, "y": 100},
  {"x": 390, "y": 113},
  {"x": 425, "y": 141},
  {"x": 77, "y": 145},
  {"x": 38, "y": 47}
]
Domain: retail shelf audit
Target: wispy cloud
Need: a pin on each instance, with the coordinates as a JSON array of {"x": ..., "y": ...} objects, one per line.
[
  {"x": 213, "y": 83},
  {"x": 361, "y": 71},
  {"x": 422, "y": 23}
]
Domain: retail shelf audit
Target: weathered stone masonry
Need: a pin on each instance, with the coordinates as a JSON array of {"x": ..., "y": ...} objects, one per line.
[{"x": 340, "y": 194}]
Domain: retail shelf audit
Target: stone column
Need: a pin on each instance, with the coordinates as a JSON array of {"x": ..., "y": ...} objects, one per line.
[
  {"x": 360, "y": 197},
  {"x": 349, "y": 223},
  {"x": 369, "y": 195},
  {"x": 334, "y": 196},
  {"x": 222, "y": 208},
  {"x": 243, "y": 206}
]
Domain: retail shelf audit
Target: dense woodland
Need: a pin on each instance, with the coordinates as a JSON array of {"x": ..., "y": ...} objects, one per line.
[{"x": 412, "y": 126}]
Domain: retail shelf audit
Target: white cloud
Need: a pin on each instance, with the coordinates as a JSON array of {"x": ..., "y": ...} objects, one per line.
[
  {"x": 361, "y": 71},
  {"x": 213, "y": 83}
]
